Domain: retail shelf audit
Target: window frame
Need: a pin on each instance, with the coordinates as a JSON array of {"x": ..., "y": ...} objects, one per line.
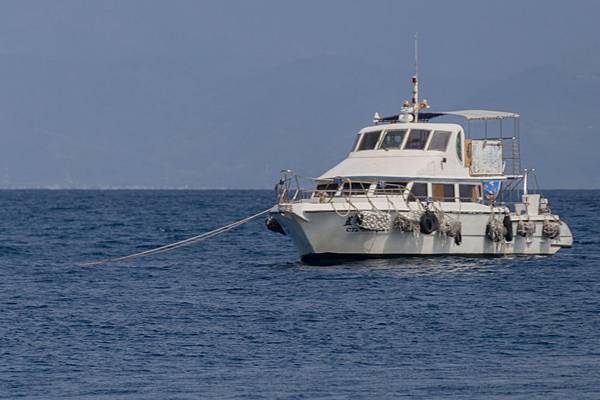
[
  {"x": 366, "y": 186},
  {"x": 470, "y": 199},
  {"x": 444, "y": 186},
  {"x": 327, "y": 190},
  {"x": 385, "y": 133},
  {"x": 362, "y": 138},
  {"x": 459, "y": 146},
  {"x": 425, "y": 144},
  {"x": 356, "y": 142},
  {"x": 413, "y": 198},
  {"x": 445, "y": 149},
  {"x": 395, "y": 191}
]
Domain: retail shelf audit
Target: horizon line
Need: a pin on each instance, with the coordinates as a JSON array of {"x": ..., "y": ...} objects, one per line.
[{"x": 175, "y": 188}]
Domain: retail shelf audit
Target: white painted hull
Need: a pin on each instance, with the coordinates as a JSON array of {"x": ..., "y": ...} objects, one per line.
[{"x": 321, "y": 233}]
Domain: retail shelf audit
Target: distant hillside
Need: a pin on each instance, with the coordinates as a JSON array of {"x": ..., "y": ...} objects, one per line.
[{"x": 157, "y": 123}]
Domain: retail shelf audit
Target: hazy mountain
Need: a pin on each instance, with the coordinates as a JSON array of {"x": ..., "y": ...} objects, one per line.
[{"x": 84, "y": 131}]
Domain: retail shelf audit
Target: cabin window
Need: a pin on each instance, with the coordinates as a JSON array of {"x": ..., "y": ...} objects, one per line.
[
  {"x": 355, "y": 188},
  {"x": 369, "y": 140},
  {"x": 442, "y": 191},
  {"x": 439, "y": 141},
  {"x": 355, "y": 142},
  {"x": 391, "y": 188},
  {"x": 327, "y": 188},
  {"x": 393, "y": 139},
  {"x": 418, "y": 191},
  {"x": 417, "y": 139},
  {"x": 469, "y": 193},
  {"x": 459, "y": 145}
]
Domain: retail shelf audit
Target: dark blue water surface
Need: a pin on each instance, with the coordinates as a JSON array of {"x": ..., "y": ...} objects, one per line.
[{"x": 239, "y": 317}]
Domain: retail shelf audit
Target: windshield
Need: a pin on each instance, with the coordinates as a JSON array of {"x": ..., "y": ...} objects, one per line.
[
  {"x": 355, "y": 142},
  {"x": 369, "y": 141},
  {"x": 393, "y": 139}
]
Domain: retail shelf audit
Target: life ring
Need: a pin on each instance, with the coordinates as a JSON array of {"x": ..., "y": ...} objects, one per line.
[
  {"x": 429, "y": 222},
  {"x": 509, "y": 228}
]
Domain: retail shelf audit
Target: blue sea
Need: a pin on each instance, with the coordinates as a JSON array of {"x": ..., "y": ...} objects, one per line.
[{"x": 239, "y": 317}]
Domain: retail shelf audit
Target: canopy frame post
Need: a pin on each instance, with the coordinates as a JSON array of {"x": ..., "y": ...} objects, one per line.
[{"x": 485, "y": 128}]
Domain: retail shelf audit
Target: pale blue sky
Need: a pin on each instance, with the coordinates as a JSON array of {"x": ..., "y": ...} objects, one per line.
[{"x": 227, "y": 93}]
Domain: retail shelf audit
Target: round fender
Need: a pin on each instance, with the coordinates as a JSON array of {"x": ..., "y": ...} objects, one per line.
[
  {"x": 495, "y": 231},
  {"x": 429, "y": 222},
  {"x": 509, "y": 228},
  {"x": 551, "y": 229}
]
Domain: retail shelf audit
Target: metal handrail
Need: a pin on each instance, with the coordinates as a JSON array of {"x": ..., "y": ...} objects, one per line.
[{"x": 289, "y": 190}]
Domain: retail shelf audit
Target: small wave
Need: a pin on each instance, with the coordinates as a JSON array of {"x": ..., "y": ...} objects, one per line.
[{"x": 9, "y": 251}]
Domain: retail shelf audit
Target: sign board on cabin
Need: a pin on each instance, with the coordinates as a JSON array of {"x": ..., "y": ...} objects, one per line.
[{"x": 486, "y": 157}]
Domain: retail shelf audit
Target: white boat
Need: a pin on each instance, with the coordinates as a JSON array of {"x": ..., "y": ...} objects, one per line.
[{"x": 411, "y": 187}]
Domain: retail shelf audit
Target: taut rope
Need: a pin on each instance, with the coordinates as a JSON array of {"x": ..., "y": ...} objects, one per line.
[{"x": 181, "y": 243}]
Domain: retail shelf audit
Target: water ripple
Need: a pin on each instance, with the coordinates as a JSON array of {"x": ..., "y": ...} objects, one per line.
[{"x": 240, "y": 317}]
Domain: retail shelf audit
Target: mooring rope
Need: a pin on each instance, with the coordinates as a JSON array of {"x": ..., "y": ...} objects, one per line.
[{"x": 181, "y": 243}]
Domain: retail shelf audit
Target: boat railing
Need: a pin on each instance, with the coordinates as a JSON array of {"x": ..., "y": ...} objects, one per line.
[
  {"x": 293, "y": 188},
  {"x": 290, "y": 189}
]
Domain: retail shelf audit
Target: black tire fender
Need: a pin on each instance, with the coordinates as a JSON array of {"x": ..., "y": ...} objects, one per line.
[
  {"x": 458, "y": 238},
  {"x": 509, "y": 228},
  {"x": 429, "y": 222},
  {"x": 273, "y": 225},
  {"x": 488, "y": 232}
]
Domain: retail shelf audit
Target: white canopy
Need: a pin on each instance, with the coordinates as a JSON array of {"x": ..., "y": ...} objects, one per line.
[
  {"x": 481, "y": 114},
  {"x": 467, "y": 114}
]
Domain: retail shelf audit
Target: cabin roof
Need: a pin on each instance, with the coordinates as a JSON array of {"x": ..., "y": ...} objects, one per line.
[
  {"x": 412, "y": 125},
  {"x": 482, "y": 114},
  {"x": 467, "y": 114}
]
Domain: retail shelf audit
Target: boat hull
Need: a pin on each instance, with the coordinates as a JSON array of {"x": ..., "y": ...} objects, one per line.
[{"x": 322, "y": 236}]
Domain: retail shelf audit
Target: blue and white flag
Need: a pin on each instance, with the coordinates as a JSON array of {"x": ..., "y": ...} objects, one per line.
[{"x": 491, "y": 189}]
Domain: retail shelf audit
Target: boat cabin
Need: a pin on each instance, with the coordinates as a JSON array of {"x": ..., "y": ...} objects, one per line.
[{"x": 423, "y": 160}]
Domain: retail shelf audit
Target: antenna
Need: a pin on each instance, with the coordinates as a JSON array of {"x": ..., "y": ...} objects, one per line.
[
  {"x": 415, "y": 79},
  {"x": 416, "y": 54},
  {"x": 410, "y": 109}
]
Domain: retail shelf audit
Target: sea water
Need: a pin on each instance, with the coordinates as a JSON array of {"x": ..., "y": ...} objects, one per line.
[{"x": 238, "y": 316}]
